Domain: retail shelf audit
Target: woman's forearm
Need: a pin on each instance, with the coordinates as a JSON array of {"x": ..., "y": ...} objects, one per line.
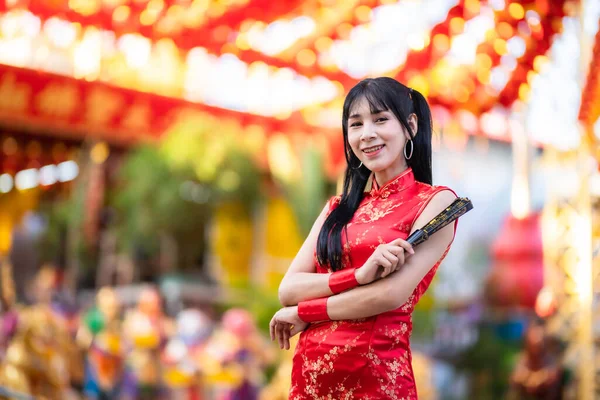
[
  {"x": 362, "y": 302},
  {"x": 302, "y": 286}
]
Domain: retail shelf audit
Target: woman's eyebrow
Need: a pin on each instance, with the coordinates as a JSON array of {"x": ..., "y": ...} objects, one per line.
[{"x": 374, "y": 112}]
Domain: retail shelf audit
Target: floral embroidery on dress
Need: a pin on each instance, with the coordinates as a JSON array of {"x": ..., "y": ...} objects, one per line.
[{"x": 367, "y": 359}]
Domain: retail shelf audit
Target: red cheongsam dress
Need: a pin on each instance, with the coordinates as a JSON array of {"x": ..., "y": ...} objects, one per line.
[{"x": 368, "y": 358}]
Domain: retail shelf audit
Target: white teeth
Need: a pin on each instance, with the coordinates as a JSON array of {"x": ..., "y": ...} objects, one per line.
[{"x": 372, "y": 149}]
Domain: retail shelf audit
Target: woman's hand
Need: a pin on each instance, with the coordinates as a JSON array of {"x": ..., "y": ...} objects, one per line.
[
  {"x": 386, "y": 259},
  {"x": 285, "y": 324}
]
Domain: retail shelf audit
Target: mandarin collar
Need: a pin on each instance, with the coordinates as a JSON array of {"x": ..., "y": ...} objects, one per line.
[{"x": 405, "y": 179}]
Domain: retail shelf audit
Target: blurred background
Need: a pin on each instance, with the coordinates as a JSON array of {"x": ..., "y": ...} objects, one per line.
[{"x": 161, "y": 162}]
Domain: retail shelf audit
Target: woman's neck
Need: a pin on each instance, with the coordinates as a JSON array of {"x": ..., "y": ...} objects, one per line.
[{"x": 385, "y": 176}]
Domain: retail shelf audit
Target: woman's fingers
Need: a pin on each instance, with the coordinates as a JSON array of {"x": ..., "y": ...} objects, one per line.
[
  {"x": 286, "y": 337},
  {"x": 284, "y": 331},
  {"x": 272, "y": 328},
  {"x": 279, "y": 333},
  {"x": 404, "y": 244},
  {"x": 385, "y": 264},
  {"x": 395, "y": 249},
  {"x": 401, "y": 257},
  {"x": 391, "y": 257},
  {"x": 388, "y": 267}
]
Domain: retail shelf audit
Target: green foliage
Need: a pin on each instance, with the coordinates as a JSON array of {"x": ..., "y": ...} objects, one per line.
[
  {"x": 489, "y": 362},
  {"x": 61, "y": 214},
  {"x": 50, "y": 243},
  {"x": 172, "y": 188},
  {"x": 308, "y": 194},
  {"x": 216, "y": 157},
  {"x": 238, "y": 179},
  {"x": 149, "y": 200}
]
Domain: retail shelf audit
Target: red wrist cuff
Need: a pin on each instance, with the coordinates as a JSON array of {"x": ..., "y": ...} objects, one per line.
[
  {"x": 340, "y": 281},
  {"x": 313, "y": 310}
]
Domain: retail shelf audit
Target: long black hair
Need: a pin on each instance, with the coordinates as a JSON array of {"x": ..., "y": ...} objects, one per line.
[{"x": 383, "y": 94}]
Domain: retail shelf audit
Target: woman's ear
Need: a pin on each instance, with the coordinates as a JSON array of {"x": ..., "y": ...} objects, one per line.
[{"x": 413, "y": 122}]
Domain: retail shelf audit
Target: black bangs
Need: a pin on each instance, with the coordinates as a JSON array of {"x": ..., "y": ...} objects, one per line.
[{"x": 376, "y": 102}]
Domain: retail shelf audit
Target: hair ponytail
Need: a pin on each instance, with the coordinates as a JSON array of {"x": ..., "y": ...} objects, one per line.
[{"x": 420, "y": 162}]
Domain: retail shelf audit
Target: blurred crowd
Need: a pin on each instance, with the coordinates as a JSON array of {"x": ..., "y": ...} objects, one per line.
[{"x": 54, "y": 349}]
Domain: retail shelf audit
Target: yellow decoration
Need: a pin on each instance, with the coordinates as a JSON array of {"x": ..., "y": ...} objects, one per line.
[
  {"x": 420, "y": 83},
  {"x": 283, "y": 161},
  {"x": 524, "y": 91},
  {"x": 279, "y": 387},
  {"x": 473, "y": 6},
  {"x": 137, "y": 117},
  {"x": 242, "y": 42},
  {"x": 37, "y": 353},
  {"x": 516, "y": 10},
  {"x": 457, "y": 25},
  {"x": 363, "y": 13},
  {"x": 483, "y": 61},
  {"x": 148, "y": 17},
  {"x": 99, "y": 152},
  {"x": 233, "y": 242},
  {"x": 102, "y": 106},
  {"x": 109, "y": 342},
  {"x": 500, "y": 46},
  {"x": 483, "y": 76},
  {"x": 282, "y": 240},
  {"x": 539, "y": 62},
  {"x": 306, "y": 57},
  {"x": 58, "y": 99},
  {"x": 177, "y": 378},
  {"x": 441, "y": 43},
  {"x": 13, "y": 206},
  {"x": 461, "y": 93},
  {"x": 344, "y": 30},
  {"x": 121, "y": 14},
  {"x": 505, "y": 30},
  {"x": 85, "y": 7},
  {"x": 323, "y": 44},
  {"x": 231, "y": 375},
  {"x": 422, "y": 368},
  {"x": 13, "y": 96}
]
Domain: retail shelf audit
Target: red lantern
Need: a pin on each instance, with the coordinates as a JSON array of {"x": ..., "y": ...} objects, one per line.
[{"x": 517, "y": 273}]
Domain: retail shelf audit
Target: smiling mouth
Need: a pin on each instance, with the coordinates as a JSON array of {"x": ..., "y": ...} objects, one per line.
[{"x": 373, "y": 149}]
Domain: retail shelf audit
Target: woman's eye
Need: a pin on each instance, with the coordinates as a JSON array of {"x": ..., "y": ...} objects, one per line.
[
  {"x": 355, "y": 124},
  {"x": 382, "y": 119}
]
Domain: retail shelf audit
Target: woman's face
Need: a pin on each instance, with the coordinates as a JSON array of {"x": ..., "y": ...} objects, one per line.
[{"x": 378, "y": 139}]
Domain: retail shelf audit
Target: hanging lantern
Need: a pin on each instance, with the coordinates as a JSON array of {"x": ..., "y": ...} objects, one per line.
[{"x": 517, "y": 272}]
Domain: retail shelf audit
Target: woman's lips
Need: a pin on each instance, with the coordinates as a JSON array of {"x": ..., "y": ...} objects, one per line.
[{"x": 373, "y": 153}]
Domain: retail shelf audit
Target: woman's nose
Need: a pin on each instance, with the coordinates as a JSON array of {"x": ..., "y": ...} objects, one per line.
[{"x": 368, "y": 132}]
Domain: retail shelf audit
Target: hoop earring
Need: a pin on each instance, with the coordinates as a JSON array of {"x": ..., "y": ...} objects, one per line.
[{"x": 412, "y": 147}]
